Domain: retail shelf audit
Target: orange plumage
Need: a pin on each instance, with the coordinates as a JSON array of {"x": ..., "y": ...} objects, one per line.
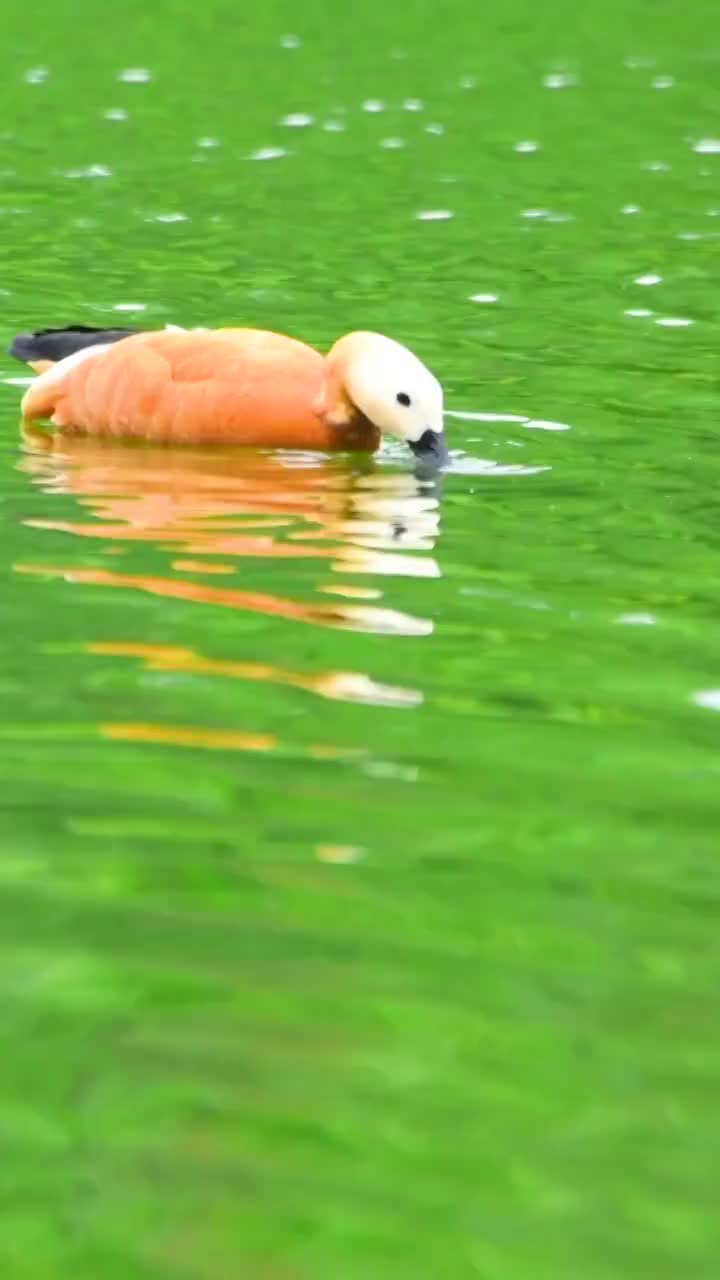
[{"x": 227, "y": 386}]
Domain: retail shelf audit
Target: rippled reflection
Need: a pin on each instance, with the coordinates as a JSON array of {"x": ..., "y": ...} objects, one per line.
[
  {"x": 240, "y": 506},
  {"x": 187, "y": 736},
  {"x": 343, "y": 686},
  {"x": 206, "y": 739}
]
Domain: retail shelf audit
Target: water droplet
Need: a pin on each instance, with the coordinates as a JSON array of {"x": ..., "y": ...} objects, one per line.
[
  {"x": 391, "y": 769},
  {"x": 268, "y": 153},
  {"x": 434, "y": 128},
  {"x": 630, "y": 208},
  {"x": 208, "y": 142},
  {"x": 290, "y": 42},
  {"x": 115, "y": 113},
  {"x": 526, "y": 145},
  {"x": 90, "y": 171},
  {"x": 559, "y": 80},
  {"x": 392, "y": 144},
  {"x": 468, "y": 82},
  {"x": 434, "y": 215},
  {"x": 338, "y": 854},
  {"x": 334, "y": 126},
  {"x": 297, "y": 120},
  {"x": 483, "y": 297},
  {"x": 412, "y": 104},
  {"x": 373, "y": 105},
  {"x": 656, "y": 166},
  {"x": 636, "y": 62},
  {"x": 649, "y": 278},
  {"x": 168, "y": 217},
  {"x": 130, "y": 306},
  {"x": 135, "y": 75},
  {"x": 707, "y": 146},
  {"x": 674, "y": 322},
  {"x": 640, "y": 312},
  {"x": 36, "y": 75},
  {"x": 663, "y": 82},
  {"x": 709, "y": 698},
  {"x": 636, "y": 619}
]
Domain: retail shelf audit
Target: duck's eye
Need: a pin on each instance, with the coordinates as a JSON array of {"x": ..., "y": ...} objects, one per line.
[{"x": 403, "y": 398}]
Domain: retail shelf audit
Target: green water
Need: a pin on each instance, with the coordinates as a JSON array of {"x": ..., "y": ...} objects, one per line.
[{"x": 359, "y": 888}]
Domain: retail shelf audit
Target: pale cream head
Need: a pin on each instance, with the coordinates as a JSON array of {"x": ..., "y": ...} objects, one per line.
[{"x": 389, "y": 386}]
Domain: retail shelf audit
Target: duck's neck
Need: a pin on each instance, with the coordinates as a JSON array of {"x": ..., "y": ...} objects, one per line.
[
  {"x": 356, "y": 433},
  {"x": 348, "y": 425}
]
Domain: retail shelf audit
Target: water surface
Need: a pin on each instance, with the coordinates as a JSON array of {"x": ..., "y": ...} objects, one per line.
[{"x": 358, "y": 882}]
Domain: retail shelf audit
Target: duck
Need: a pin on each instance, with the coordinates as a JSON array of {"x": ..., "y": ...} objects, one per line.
[{"x": 233, "y": 386}]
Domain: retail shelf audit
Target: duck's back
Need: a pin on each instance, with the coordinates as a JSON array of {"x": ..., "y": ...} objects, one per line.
[{"x": 225, "y": 386}]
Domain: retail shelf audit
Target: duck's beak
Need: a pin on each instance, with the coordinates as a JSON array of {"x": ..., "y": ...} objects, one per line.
[{"x": 431, "y": 448}]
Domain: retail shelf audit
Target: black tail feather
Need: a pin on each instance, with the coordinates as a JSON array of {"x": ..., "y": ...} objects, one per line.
[{"x": 55, "y": 344}]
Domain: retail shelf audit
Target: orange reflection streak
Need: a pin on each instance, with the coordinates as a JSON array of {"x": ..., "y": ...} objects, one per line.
[
  {"x": 349, "y": 591},
  {"x": 181, "y": 735},
  {"x": 347, "y": 617},
  {"x": 344, "y": 686},
  {"x": 201, "y": 566},
  {"x": 184, "y": 736}
]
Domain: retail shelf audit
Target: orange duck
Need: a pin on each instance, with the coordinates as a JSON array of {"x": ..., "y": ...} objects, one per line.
[{"x": 233, "y": 387}]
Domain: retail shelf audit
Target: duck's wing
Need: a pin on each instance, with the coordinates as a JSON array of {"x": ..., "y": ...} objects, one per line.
[{"x": 50, "y": 345}]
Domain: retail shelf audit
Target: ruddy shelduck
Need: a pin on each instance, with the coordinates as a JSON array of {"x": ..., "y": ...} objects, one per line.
[{"x": 233, "y": 387}]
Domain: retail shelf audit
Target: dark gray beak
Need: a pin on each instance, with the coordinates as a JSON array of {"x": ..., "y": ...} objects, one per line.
[{"x": 431, "y": 449}]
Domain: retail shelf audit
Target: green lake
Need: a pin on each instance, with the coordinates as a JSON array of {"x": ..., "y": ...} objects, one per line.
[{"x": 359, "y": 884}]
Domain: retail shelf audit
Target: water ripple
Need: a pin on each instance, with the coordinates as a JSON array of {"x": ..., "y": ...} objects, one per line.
[
  {"x": 531, "y": 424},
  {"x": 344, "y": 617},
  {"x": 341, "y": 686}
]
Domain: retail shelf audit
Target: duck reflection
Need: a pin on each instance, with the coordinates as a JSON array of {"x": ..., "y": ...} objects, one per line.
[{"x": 213, "y": 510}]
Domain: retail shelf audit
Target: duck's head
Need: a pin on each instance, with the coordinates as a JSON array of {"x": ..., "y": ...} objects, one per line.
[{"x": 377, "y": 378}]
